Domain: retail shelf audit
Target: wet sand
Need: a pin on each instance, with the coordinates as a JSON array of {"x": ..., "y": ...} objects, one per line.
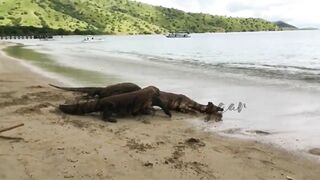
[{"x": 53, "y": 145}]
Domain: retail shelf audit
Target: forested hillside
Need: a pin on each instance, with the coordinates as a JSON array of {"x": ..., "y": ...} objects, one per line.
[
  {"x": 117, "y": 17},
  {"x": 285, "y": 26}
]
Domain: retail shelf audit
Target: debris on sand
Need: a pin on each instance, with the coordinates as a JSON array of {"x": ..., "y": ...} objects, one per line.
[
  {"x": 35, "y": 87},
  {"x": 177, "y": 161},
  {"x": 194, "y": 143},
  {"x": 142, "y": 147},
  {"x": 315, "y": 151},
  {"x": 10, "y": 128},
  {"x": 289, "y": 178},
  {"x": 68, "y": 176},
  {"x": 148, "y": 164},
  {"x": 259, "y": 132}
]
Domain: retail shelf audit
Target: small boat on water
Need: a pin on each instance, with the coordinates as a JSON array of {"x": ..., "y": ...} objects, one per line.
[
  {"x": 44, "y": 37},
  {"x": 92, "y": 39},
  {"x": 178, "y": 35}
]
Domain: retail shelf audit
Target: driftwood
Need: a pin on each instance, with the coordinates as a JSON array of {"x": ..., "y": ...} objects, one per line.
[
  {"x": 11, "y": 138},
  {"x": 12, "y": 127}
]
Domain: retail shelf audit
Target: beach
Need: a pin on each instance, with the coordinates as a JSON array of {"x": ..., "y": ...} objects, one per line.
[{"x": 52, "y": 145}]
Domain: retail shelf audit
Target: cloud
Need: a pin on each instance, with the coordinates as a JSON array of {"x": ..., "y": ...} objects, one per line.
[
  {"x": 301, "y": 13},
  {"x": 241, "y": 6}
]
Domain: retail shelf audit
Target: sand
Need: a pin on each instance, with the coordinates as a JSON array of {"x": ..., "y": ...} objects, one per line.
[{"x": 53, "y": 145}]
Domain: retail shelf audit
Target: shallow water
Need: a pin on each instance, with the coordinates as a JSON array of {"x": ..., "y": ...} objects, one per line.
[
  {"x": 47, "y": 64},
  {"x": 276, "y": 74},
  {"x": 290, "y": 58}
]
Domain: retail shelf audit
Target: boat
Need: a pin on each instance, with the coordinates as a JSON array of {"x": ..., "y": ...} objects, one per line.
[
  {"x": 92, "y": 39},
  {"x": 178, "y": 35},
  {"x": 44, "y": 37}
]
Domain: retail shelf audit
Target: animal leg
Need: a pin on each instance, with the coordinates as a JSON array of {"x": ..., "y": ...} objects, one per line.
[
  {"x": 158, "y": 102},
  {"x": 149, "y": 111},
  {"x": 74, "y": 109},
  {"x": 106, "y": 116}
]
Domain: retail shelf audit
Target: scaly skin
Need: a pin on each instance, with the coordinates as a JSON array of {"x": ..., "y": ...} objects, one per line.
[
  {"x": 132, "y": 103},
  {"x": 102, "y": 92},
  {"x": 182, "y": 103}
]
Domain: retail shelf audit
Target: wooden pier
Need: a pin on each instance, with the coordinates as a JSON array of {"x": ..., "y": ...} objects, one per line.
[{"x": 26, "y": 37}]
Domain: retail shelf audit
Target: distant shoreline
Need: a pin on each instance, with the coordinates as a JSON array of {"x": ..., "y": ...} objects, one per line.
[
  {"x": 29, "y": 30},
  {"x": 32, "y": 31}
]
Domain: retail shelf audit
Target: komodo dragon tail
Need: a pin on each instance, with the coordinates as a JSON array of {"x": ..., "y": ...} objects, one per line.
[
  {"x": 91, "y": 91},
  {"x": 80, "y": 108}
]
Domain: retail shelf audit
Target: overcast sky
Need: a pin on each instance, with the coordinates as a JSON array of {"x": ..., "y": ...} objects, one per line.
[{"x": 301, "y": 13}]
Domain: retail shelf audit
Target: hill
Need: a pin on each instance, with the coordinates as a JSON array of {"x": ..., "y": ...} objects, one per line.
[
  {"x": 285, "y": 26},
  {"x": 308, "y": 28},
  {"x": 117, "y": 17}
]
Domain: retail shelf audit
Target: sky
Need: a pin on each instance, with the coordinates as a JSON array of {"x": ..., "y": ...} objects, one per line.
[{"x": 301, "y": 13}]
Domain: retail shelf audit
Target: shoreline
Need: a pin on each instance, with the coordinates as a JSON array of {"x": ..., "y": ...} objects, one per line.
[
  {"x": 290, "y": 117},
  {"x": 57, "y": 146},
  {"x": 45, "y": 66},
  {"x": 226, "y": 128}
]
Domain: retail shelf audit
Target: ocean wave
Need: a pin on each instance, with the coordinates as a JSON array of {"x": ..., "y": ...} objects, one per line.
[
  {"x": 270, "y": 71},
  {"x": 262, "y": 70}
]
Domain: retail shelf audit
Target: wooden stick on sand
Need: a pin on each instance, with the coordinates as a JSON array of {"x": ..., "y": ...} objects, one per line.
[{"x": 12, "y": 127}]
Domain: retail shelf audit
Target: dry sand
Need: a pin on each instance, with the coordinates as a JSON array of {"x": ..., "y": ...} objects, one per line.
[{"x": 52, "y": 145}]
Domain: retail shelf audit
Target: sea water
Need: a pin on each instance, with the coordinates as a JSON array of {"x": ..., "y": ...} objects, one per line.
[{"x": 266, "y": 81}]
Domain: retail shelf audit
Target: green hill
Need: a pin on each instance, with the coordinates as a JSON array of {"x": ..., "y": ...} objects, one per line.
[
  {"x": 285, "y": 26},
  {"x": 117, "y": 17}
]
